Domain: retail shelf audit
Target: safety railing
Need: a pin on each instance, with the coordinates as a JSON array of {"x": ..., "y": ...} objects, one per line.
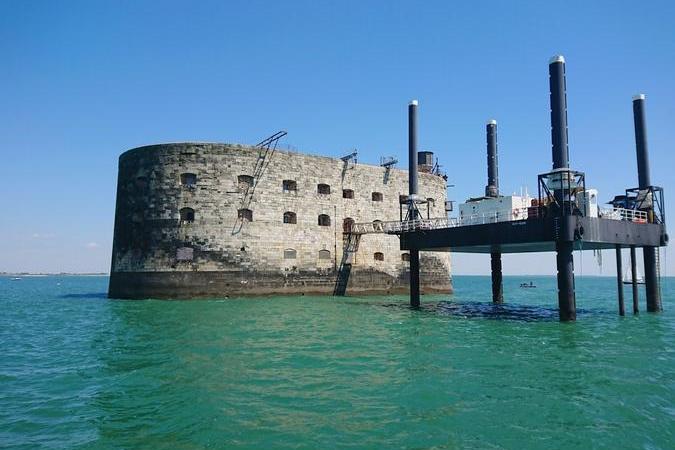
[
  {"x": 397, "y": 227},
  {"x": 630, "y": 215}
]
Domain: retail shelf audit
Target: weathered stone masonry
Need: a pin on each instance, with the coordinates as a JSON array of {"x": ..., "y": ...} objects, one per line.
[{"x": 185, "y": 226}]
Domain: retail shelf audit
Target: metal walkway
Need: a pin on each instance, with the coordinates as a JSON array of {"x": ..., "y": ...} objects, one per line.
[{"x": 438, "y": 223}]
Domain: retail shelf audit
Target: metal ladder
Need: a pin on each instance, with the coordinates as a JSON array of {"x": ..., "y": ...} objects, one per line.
[
  {"x": 266, "y": 149},
  {"x": 657, "y": 260},
  {"x": 351, "y": 246}
]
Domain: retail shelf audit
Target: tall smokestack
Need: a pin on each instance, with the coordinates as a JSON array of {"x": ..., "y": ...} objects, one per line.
[
  {"x": 492, "y": 188},
  {"x": 644, "y": 178},
  {"x": 557, "y": 87},
  {"x": 412, "y": 149}
]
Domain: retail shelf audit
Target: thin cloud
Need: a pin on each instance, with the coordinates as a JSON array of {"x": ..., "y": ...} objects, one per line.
[
  {"x": 92, "y": 245},
  {"x": 43, "y": 235}
]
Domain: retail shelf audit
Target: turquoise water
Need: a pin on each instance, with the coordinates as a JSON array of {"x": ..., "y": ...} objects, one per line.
[{"x": 80, "y": 371}]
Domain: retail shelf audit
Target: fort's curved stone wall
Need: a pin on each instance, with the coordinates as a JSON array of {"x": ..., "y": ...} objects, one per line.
[{"x": 217, "y": 253}]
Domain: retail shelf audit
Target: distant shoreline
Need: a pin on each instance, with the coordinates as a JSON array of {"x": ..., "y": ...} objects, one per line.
[{"x": 63, "y": 274}]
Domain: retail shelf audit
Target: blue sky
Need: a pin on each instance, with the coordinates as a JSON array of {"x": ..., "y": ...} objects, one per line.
[{"x": 81, "y": 82}]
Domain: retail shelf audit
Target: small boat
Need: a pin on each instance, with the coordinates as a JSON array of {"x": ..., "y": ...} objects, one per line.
[
  {"x": 628, "y": 279},
  {"x": 527, "y": 285}
]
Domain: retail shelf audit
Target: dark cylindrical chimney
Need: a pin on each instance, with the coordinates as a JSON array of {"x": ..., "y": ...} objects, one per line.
[
  {"x": 412, "y": 148},
  {"x": 644, "y": 178},
  {"x": 557, "y": 87},
  {"x": 492, "y": 188}
]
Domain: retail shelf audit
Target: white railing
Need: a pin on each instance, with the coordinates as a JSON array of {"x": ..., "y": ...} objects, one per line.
[
  {"x": 396, "y": 226},
  {"x": 494, "y": 217},
  {"x": 630, "y": 215}
]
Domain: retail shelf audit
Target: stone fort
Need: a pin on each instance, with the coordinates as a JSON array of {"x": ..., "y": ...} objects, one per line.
[{"x": 212, "y": 220}]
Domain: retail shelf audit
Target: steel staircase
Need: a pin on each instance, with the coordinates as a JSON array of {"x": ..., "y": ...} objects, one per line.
[{"x": 350, "y": 247}]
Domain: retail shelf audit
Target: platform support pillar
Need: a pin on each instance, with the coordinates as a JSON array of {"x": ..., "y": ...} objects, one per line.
[
  {"x": 497, "y": 285},
  {"x": 414, "y": 278},
  {"x": 566, "y": 296},
  {"x": 633, "y": 277},
  {"x": 619, "y": 280},
  {"x": 652, "y": 289}
]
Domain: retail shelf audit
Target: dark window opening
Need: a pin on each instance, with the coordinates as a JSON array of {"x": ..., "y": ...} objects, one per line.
[
  {"x": 188, "y": 179},
  {"x": 377, "y": 225},
  {"x": 378, "y": 256},
  {"x": 290, "y": 253},
  {"x": 142, "y": 183},
  {"x": 347, "y": 193},
  {"x": 324, "y": 220},
  {"x": 245, "y": 215},
  {"x": 405, "y": 257},
  {"x": 403, "y": 199},
  {"x": 347, "y": 224},
  {"x": 289, "y": 186},
  {"x": 244, "y": 182},
  {"x": 323, "y": 189},
  {"x": 324, "y": 254},
  {"x": 377, "y": 196},
  {"x": 187, "y": 215},
  {"x": 185, "y": 254},
  {"x": 290, "y": 217}
]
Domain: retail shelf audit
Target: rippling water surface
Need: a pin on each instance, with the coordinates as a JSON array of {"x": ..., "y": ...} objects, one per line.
[{"x": 80, "y": 371}]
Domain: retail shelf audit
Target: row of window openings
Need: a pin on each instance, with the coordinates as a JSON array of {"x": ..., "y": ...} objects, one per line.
[
  {"x": 187, "y": 215},
  {"x": 187, "y": 254},
  {"x": 246, "y": 181},
  {"x": 290, "y": 253},
  {"x": 189, "y": 180}
]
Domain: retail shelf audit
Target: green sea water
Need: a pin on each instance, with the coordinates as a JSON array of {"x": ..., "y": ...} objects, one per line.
[{"x": 80, "y": 371}]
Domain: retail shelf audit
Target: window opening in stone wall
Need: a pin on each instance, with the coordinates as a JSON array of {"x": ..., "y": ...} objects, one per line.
[
  {"x": 377, "y": 196},
  {"x": 405, "y": 257},
  {"x": 403, "y": 199},
  {"x": 184, "y": 254},
  {"x": 323, "y": 189},
  {"x": 188, "y": 180},
  {"x": 324, "y": 254},
  {"x": 377, "y": 225},
  {"x": 244, "y": 182},
  {"x": 142, "y": 183},
  {"x": 378, "y": 256},
  {"x": 290, "y": 217},
  {"x": 324, "y": 220},
  {"x": 290, "y": 253},
  {"x": 347, "y": 193},
  {"x": 289, "y": 186},
  {"x": 245, "y": 214},
  {"x": 347, "y": 224},
  {"x": 187, "y": 215}
]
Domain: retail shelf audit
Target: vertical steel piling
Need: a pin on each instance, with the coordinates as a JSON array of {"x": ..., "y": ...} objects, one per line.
[
  {"x": 633, "y": 277},
  {"x": 560, "y": 154},
  {"x": 652, "y": 288},
  {"x": 412, "y": 198},
  {"x": 619, "y": 280},
  {"x": 492, "y": 190}
]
